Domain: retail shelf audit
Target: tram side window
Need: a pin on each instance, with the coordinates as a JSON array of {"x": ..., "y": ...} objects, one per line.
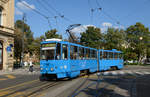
[
  {"x": 58, "y": 52},
  {"x": 101, "y": 55},
  {"x": 110, "y": 55},
  {"x": 81, "y": 53},
  {"x": 87, "y": 53},
  {"x": 93, "y": 54},
  {"x": 105, "y": 55},
  {"x": 73, "y": 52},
  {"x": 65, "y": 52},
  {"x": 116, "y": 55}
]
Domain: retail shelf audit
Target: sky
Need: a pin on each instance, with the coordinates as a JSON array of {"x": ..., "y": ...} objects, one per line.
[{"x": 113, "y": 13}]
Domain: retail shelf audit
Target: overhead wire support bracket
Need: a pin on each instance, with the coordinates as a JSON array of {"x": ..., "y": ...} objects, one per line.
[{"x": 70, "y": 28}]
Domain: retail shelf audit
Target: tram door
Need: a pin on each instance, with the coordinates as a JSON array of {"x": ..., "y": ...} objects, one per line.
[
  {"x": 101, "y": 61},
  {"x": 1, "y": 56}
]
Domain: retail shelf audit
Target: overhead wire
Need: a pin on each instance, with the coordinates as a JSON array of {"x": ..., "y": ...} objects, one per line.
[
  {"x": 44, "y": 7},
  {"x": 57, "y": 12},
  {"x": 106, "y": 14},
  {"x": 91, "y": 11},
  {"x": 57, "y": 23},
  {"x": 38, "y": 12}
]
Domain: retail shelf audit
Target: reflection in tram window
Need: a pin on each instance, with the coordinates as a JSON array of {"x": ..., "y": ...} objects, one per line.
[
  {"x": 65, "y": 52},
  {"x": 73, "y": 52},
  {"x": 81, "y": 53},
  {"x": 58, "y": 52}
]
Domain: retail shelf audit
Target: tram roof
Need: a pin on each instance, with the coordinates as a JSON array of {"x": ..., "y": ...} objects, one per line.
[{"x": 66, "y": 42}]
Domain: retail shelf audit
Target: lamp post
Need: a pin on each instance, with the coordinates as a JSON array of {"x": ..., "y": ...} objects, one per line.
[
  {"x": 140, "y": 38},
  {"x": 22, "y": 54}
]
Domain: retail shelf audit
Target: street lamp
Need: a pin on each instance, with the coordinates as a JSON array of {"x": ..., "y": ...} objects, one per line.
[{"x": 141, "y": 38}]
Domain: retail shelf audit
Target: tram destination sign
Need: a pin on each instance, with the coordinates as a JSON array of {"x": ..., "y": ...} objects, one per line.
[{"x": 49, "y": 45}]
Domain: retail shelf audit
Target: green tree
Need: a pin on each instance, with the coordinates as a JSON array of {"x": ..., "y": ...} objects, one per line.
[
  {"x": 92, "y": 37},
  {"x": 28, "y": 38},
  {"x": 17, "y": 45},
  {"x": 52, "y": 34},
  {"x": 114, "y": 39},
  {"x": 138, "y": 37}
]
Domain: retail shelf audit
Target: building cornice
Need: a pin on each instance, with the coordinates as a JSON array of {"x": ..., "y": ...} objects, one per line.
[{"x": 7, "y": 33}]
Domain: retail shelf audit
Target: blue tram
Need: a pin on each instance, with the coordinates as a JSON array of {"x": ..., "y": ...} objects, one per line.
[{"x": 64, "y": 59}]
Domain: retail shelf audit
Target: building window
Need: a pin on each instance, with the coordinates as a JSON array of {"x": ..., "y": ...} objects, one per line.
[
  {"x": 1, "y": 55},
  {"x": 0, "y": 16}
]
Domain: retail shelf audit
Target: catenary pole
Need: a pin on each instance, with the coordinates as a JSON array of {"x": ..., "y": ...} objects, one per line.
[{"x": 22, "y": 54}]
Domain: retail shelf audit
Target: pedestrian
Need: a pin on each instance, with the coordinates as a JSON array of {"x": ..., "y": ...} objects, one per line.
[{"x": 30, "y": 66}]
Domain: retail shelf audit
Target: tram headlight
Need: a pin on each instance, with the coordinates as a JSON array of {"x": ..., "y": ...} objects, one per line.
[
  {"x": 41, "y": 68},
  {"x": 52, "y": 69}
]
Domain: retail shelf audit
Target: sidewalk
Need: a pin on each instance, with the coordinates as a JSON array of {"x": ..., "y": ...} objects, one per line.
[{"x": 22, "y": 71}]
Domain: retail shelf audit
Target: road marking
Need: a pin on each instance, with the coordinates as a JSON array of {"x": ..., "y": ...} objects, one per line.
[
  {"x": 20, "y": 94},
  {"x": 106, "y": 73},
  {"x": 4, "y": 93},
  {"x": 114, "y": 73},
  {"x": 146, "y": 72},
  {"x": 139, "y": 73},
  {"x": 3, "y": 79},
  {"x": 18, "y": 85},
  {"x": 26, "y": 92},
  {"x": 129, "y": 72},
  {"x": 10, "y": 76},
  {"x": 121, "y": 72},
  {"x": 40, "y": 95}
]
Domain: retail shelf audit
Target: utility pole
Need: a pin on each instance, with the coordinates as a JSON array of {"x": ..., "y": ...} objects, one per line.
[{"x": 22, "y": 54}]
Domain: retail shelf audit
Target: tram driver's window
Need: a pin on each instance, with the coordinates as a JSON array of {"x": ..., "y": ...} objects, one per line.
[
  {"x": 65, "y": 52},
  {"x": 58, "y": 52}
]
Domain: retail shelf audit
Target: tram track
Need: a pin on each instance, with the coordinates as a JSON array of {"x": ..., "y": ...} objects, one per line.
[
  {"x": 30, "y": 89},
  {"x": 73, "y": 94},
  {"x": 78, "y": 90}
]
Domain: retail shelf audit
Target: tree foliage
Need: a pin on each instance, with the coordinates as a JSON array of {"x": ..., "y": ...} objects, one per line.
[
  {"x": 92, "y": 37},
  {"x": 21, "y": 27},
  {"x": 138, "y": 38},
  {"x": 52, "y": 34},
  {"x": 114, "y": 39}
]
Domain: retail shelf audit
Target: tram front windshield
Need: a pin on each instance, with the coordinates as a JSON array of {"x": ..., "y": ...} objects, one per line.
[{"x": 48, "y": 51}]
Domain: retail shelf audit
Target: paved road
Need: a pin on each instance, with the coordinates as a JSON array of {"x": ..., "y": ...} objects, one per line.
[{"x": 132, "y": 81}]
